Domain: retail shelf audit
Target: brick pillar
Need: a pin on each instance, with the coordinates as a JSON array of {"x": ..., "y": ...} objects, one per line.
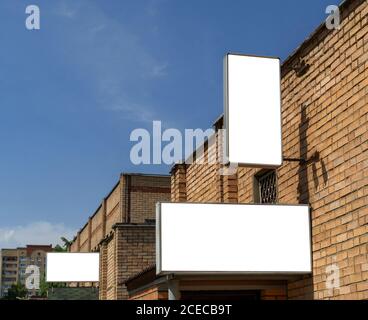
[
  {"x": 103, "y": 205},
  {"x": 89, "y": 226},
  {"x": 103, "y": 271},
  {"x": 125, "y": 183},
  {"x": 178, "y": 183},
  {"x": 78, "y": 241},
  {"x": 230, "y": 189}
]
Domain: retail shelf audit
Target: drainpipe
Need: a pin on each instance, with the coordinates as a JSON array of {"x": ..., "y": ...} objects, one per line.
[{"x": 173, "y": 288}]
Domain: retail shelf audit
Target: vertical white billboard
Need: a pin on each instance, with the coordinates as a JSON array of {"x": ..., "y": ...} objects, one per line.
[
  {"x": 252, "y": 103},
  {"x": 72, "y": 267},
  {"x": 233, "y": 238}
]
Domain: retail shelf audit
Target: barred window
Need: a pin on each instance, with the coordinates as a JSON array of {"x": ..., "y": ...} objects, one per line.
[{"x": 265, "y": 187}]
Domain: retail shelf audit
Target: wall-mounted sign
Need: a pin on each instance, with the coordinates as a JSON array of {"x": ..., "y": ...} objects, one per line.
[
  {"x": 252, "y": 95},
  {"x": 233, "y": 238},
  {"x": 72, "y": 267}
]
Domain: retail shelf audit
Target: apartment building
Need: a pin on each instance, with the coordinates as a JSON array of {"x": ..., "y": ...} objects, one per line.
[
  {"x": 14, "y": 263},
  {"x": 325, "y": 148},
  {"x": 122, "y": 230}
]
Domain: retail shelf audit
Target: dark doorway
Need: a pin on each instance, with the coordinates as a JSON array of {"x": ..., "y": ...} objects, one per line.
[{"x": 221, "y": 295}]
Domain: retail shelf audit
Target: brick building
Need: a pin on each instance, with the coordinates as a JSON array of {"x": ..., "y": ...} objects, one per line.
[
  {"x": 325, "y": 148},
  {"x": 122, "y": 230},
  {"x": 14, "y": 262}
]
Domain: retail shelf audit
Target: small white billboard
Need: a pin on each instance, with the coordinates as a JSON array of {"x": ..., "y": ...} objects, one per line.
[
  {"x": 233, "y": 238},
  {"x": 252, "y": 110},
  {"x": 72, "y": 267}
]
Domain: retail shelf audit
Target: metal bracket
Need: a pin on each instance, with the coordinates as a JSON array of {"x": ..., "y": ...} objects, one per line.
[
  {"x": 300, "y": 67},
  {"x": 313, "y": 158},
  {"x": 302, "y": 161}
]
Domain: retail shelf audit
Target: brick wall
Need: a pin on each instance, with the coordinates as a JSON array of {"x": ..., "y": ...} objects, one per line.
[
  {"x": 324, "y": 111},
  {"x": 145, "y": 192},
  {"x": 132, "y": 199},
  {"x": 114, "y": 207},
  {"x": 130, "y": 249},
  {"x": 136, "y": 251},
  {"x": 103, "y": 272},
  {"x": 97, "y": 232},
  {"x": 84, "y": 239},
  {"x": 150, "y": 294},
  {"x": 110, "y": 270}
]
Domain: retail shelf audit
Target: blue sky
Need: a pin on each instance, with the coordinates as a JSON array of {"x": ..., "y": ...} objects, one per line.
[{"x": 71, "y": 93}]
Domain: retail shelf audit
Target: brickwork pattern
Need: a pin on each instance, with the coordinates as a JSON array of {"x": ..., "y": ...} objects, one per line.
[
  {"x": 132, "y": 200},
  {"x": 324, "y": 113}
]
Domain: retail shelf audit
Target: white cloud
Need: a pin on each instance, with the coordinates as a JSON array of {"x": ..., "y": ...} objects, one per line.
[
  {"x": 41, "y": 232},
  {"x": 133, "y": 112},
  {"x": 159, "y": 70},
  {"x": 67, "y": 11}
]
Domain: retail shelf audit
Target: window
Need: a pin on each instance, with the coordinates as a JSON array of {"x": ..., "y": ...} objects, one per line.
[
  {"x": 9, "y": 273},
  {"x": 9, "y": 279},
  {"x": 265, "y": 187},
  {"x": 10, "y": 259}
]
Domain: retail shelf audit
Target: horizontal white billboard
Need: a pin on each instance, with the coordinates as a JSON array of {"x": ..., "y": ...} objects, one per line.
[
  {"x": 233, "y": 238},
  {"x": 72, "y": 267},
  {"x": 252, "y": 112}
]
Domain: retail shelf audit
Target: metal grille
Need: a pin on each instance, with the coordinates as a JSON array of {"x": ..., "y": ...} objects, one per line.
[{"x": 267, "y": 187}]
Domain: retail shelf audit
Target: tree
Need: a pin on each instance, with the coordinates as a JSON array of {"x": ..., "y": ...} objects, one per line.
[
  {"x": 44, "y": 287},
  {"x": 65, "y": 247},
  {"x": 67, "y": 243},
  {"x": 59, "y": 248},
  {"x": 16, "y": 291}
]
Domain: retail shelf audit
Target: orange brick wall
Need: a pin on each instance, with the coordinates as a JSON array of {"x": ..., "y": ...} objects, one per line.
[
  {"x": 114, "y": 207},
  {"x": 150, "y": 294},
  {"x": 84, "y": 238},
  {"x": 110, "y": 271},
  {"x": 97, "y": 232},
  {"x": 103, "y": 272},
  {"x": 324, "y": 111},
  {"x": 130, "y": 249},
  {"x": 136, "y": 251},
  {"x": 132, "y": 200},
  {"x": 145, "y": 192},
  {"x": 210, "y": 187}
]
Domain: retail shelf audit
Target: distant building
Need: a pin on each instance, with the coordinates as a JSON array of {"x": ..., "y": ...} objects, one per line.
[{"x": 14, "y": 263}]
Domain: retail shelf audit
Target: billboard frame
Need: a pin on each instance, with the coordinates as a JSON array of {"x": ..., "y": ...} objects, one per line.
[
  {"x": 227, "y": 111},
  {"x": 160, "y": 272}
]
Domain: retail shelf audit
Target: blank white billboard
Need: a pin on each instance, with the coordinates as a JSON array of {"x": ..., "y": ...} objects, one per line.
[
  {"x": 233, "y": 238},
  {"x": 252, "y": 94},
  {"x": 72, "y": 267}
]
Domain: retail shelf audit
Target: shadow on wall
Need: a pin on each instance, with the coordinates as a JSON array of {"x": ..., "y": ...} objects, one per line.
[{"x": 303, "y": 187}]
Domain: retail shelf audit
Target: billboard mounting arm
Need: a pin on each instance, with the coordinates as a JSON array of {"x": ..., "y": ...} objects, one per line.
[{"x": 313, "y": 158}]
